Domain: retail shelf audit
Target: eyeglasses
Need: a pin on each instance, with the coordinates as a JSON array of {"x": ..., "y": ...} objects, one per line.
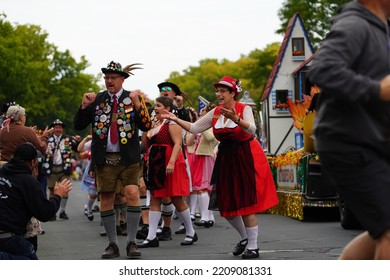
[
  {"x": 166, "y": 89},
  {"x": 221, "y": 90},
  {"x": 112, "y": 77}
]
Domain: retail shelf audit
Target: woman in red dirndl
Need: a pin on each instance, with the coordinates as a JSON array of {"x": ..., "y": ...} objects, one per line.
[
  {"x": 242, "y": 178},
  {"x": 167, "y": 175}
]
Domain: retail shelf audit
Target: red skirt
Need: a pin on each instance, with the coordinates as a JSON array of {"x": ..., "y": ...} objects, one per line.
[
  {"x": 243, "y": 178},
  {"x": 177, "y": 183}
]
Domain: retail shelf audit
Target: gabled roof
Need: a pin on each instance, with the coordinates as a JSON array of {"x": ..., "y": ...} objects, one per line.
[{"x": 282, "y": 50}]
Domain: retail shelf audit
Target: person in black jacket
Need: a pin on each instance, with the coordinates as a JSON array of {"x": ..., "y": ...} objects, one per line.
[
  {"x": 352, "y": 126},
  {"x": 116, "y": 116},
  {"x": 173, "y": 91},
  {"x": 21, "y": 197}
]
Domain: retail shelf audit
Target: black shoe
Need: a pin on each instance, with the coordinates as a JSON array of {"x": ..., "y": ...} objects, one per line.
[
  {"x": 191, "y": 240},
  {"x": 181, "y": 230},
  {"x": 143, "y": 232},
  {"x": 112, "y": 251},
  {"x": 203, "y": 223},
  {"x": 103, "y": 233},
  {"x": 200, "y": 223},
  {"x": 251, "y": 254},
  {"x": 64, "y": 216},
  {"x": 95, "y": 209},
  {"x": 149, "y": 243},
  {"x": 240, "y": 247},
  {"x": 132, "y": 251},
  {"x": 90, "y": 216},
  {"x": 165, "y": 235}
]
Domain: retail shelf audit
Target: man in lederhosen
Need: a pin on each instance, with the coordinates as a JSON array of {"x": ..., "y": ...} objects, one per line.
[
  {"x": 116, "y": 116},
  {"x": 57, "y": 164}
]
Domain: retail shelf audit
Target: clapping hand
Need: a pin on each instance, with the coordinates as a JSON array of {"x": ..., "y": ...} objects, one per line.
[{"x": 63, "y": 188}]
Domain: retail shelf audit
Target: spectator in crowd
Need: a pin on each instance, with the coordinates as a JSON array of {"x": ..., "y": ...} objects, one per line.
[
  {"x": 4, "y": 109},
  {"x": 21, "y": 199},
  {"x": 14, "y": 133},
  {"x": 353, "y": 120}
]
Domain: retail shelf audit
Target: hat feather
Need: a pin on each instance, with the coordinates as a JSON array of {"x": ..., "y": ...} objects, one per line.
[{"x": 131, "y": 67}]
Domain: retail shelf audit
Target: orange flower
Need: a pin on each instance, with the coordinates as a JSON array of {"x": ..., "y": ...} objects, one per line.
[
  {"x": 314, "y": 90},
  {"x": 298, "y": 113}
]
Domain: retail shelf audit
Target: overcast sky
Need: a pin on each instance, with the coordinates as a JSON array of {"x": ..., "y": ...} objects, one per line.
[{"x": 164, "y": 35}]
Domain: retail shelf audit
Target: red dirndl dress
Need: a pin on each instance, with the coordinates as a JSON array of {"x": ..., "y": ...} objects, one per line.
[
  {"x": 177, "y": 183},
  {"x": 242, "y": 176}
]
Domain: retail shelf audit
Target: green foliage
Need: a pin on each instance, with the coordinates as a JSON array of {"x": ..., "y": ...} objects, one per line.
[
  {"x": 252, "y": 70},
  {"x": 48, "y": 83},
  {"x": 316, "y": 16}
]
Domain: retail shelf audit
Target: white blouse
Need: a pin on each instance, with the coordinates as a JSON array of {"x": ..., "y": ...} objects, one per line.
[{"x": 205, "y": 122}]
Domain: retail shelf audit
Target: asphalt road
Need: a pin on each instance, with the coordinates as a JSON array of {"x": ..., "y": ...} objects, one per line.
[{"x": 280, "y": 238}]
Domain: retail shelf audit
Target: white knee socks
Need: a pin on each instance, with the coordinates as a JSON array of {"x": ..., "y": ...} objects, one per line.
[{"x": 238, "y": 224}]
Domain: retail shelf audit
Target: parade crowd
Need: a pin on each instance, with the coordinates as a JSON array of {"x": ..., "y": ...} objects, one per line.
[
  {"x": 142, "y": 164},
  {"x": 152, "y": 161}
]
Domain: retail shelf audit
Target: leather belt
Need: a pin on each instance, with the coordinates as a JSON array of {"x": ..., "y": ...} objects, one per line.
[
  {"x": 113, "y": 159},
  {"x": 4, "y": 235},
  {"x": 113, "y": 162},
  {"x": 57, "y": 168}
]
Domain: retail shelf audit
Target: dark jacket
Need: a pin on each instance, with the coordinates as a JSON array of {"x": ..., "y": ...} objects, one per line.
[
  {"x": 99, "y": 114},
  {"x": 183, "y": 113},
  {"x": 348, "y": 67},
  {"x": 66, "y": 146},
  {"x": 21, "y": 197}
]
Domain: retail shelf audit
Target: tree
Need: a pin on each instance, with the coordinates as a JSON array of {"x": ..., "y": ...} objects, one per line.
[
  {"x": 46, "y": 82},
  {"x": 316, "y": 16},
  {"x": 253, "y": 71}
]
